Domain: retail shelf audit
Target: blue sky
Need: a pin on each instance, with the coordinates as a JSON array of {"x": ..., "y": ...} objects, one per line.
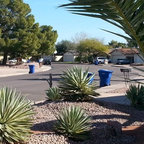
[{"x": 67, "y": 24}]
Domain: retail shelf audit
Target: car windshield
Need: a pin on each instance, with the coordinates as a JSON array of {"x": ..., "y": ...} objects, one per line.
[{"x": 101, "y": 58}]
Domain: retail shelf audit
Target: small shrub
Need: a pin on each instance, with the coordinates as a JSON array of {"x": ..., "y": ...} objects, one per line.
[
  {"x": 53, "y": 94},
  {"x": 15, "y": 117},
  {"x": 136, "y": 95},
  {"x": 73, "y": 123},
  {"x": 75, "y": 85}
]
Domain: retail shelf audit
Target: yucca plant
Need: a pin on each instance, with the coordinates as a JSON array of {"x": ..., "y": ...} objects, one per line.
[
  {"x": 15, "y": 117},
  {"x": 136, "y": 95},
  {"x": 53, "y": 94},
  {"x": 124, "y": 14},
  {"x": 73, "y": 123},
  {"x": 75, "y": 84}
]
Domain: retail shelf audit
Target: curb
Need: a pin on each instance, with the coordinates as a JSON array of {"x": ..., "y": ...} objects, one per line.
[
  {"x": 24, "y": 73},
  {"x": 137, "y": 68}
]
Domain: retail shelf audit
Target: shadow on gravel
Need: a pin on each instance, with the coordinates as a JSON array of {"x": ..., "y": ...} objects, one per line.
[
  {"x": 133, "y": 115},
  {"x": 42, "y": 103},
  {"x": 100, "y": 135},
  {"x": 44, "y": 126}
]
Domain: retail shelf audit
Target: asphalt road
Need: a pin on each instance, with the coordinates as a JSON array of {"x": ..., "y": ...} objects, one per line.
[{"x": 34, "y": 85}]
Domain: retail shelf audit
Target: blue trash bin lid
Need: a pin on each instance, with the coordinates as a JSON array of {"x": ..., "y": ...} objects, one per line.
[
  {"x": 31, "y": 65},
  {"x": 104, "y": 70}
]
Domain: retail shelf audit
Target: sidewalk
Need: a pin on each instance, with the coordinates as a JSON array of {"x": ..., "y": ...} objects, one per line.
[
  {"x": 116, "y": 93},
  {"x": 9, "y": 71},
  {"x": 113, "y": 93}
]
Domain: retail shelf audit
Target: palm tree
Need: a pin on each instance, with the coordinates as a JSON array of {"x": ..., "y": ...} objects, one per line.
[{"x": 127, "y": 15}]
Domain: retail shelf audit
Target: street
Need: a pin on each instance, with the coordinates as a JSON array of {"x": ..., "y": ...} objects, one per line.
[{"x": 33, "y": 86}]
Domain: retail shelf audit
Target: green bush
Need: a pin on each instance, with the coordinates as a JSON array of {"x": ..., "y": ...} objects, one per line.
[
  {"x": 53, "y": 94},
  {"x": 136, "y": 95},
  {"x": 15, "y": 117},
  {"x": 75, "y": 85},
  {"x": 73, "y": 123}
]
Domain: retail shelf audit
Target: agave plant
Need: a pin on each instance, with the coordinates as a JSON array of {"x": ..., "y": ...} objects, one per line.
[
  {"x": 73, "y": 123},
  {"x": 15, "y": 117},
  {"x": 75, "y": 84},
  {"x": 136, "y": 95},
  {"x": 124, "y": 14},
  {"x": 53, "y": 94}
]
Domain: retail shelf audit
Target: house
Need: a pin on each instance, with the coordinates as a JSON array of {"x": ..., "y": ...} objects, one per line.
[
  {"x": 131, "y": 54},
  {"x": 69, "y": 57}
]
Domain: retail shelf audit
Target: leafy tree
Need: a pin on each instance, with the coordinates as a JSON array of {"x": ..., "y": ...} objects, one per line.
[
  {"x": 27, "y": 45},
  {"x": 90, "y": 47},
  {"x": 124, "y": 14},
  {"x": 47, "y": 37},
  {"x": 115, "y": 44},
  {"x": 65, "y": 46},
  {"x": 20, "y": 36},
  {"x": 15, "y": 21},
  {"x": 122, "y": 45}
]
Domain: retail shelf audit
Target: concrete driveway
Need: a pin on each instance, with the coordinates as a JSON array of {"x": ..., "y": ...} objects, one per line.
[{"x": 34, "y": 85}]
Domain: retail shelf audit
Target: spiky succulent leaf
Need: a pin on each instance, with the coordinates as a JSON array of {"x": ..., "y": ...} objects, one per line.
[
  {"x": 124, "y": 14},
  {"x": 75, "y": 84},
  {"x": 15, "y": 116},
  {"x": 73, "y": 122},
  {"x": 53, "y": 94},
  {"x": 136, "y": 95}
]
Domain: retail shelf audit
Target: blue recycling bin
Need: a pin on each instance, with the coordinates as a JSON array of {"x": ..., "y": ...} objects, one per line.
[
  {"x": 96, "y": 62},
  {"x": 31, "y": 69},
  {"x": 28, "y": 61},
  {"x": 105, "y": 77},
  {"x": 91, "y": 79}
]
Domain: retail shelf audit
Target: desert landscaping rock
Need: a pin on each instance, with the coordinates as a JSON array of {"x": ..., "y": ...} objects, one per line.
[{"x": 46, "y": 112}]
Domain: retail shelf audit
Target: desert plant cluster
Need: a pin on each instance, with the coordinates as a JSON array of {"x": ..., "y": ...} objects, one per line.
[
  {"x": 74, "y": 86},
  {"x": 16, "y": 113}
]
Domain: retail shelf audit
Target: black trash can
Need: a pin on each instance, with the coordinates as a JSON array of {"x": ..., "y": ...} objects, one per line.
[
  {"x": 31, "y": 69},
  {"x": 105, "y": 77}
]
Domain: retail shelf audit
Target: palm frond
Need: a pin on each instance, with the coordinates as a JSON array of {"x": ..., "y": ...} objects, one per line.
[{"x": 124, "y": 14}]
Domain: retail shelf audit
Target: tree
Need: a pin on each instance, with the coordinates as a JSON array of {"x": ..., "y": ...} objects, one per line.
[
  {"x": 20, "y": 36},
  {"x": 15, "y": 21},
  {"x": 47, "y": 37},
  {"x": 124, "y": 14},
  {"x": 65, "y": 46},
  {"x": 115, "y": 44},
  {"x": 90, "y": 47},
  {"x": 122, "y": 45}
]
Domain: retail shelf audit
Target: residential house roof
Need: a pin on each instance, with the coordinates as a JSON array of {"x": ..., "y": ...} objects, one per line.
[{"x": 126, "y": 51}]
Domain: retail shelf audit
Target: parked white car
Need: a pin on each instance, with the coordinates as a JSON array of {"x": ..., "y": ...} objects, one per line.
[
  {"x": 12, "y": 61},
  {"x": 102, "y": 60}
]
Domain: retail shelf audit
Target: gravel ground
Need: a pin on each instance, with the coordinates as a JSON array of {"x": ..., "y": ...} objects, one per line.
[{"x": 100, "y": 113}]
